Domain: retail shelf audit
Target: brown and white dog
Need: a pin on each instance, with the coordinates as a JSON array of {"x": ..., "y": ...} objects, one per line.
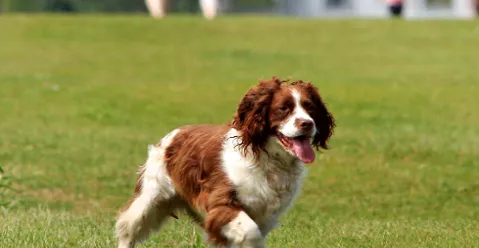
[{"x": 234, "y": 180}]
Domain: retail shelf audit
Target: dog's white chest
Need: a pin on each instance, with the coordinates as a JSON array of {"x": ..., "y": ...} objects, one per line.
[
  {"x": 265, "y": 188},
  {"x": 266, "y": 195}
]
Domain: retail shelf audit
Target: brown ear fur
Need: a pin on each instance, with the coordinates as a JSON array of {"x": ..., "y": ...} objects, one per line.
[
  {"x": 252, "y": 115},
  {"x": 325, "y": 122}
]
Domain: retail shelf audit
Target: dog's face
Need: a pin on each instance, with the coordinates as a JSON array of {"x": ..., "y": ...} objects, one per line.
[
  {"x": 292, "y": 114},
  {"x": 291, "y": 121}
]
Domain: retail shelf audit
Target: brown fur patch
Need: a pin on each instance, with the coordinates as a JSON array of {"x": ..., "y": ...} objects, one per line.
[
  {"x": 251, "y": 117},
  {"x": 193, "y": 162}
]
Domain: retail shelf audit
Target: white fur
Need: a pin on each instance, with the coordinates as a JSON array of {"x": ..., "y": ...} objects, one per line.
[
  {"x": 289, "y": 128},
  {"x": 142, "y": 216},
  {"x": 266, "y": 187},
  {"x": 155, "y": 178},
  {"x": 242, "y": 231}
]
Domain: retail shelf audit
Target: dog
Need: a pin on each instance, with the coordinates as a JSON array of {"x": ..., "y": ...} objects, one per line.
[{"x": 235, "y": 180}]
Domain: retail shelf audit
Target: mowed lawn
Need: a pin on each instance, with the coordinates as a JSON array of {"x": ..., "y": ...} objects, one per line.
[{"x": 81, "y": 97}]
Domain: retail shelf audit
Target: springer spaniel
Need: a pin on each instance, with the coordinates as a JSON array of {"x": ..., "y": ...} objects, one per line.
[{"x": 234, "y": 180}]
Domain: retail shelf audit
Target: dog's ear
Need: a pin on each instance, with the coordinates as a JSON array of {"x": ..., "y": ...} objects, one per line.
[
  {"x": 251, "y": 118},
  {"x": 325, "y": 122}
]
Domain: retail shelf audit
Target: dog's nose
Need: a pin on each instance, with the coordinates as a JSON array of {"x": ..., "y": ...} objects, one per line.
[{"x": 304, "y": 124}]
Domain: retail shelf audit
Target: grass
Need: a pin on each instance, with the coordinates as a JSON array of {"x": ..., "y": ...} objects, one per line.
[{"x": 82, "y": 96}]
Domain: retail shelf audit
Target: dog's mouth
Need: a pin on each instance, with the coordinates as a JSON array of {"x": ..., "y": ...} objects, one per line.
[{"x": 300, "y": 146}]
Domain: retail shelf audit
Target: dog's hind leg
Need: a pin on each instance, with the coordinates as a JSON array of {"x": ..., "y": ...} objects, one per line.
[
  {"x": 153, "y": 202},
  {"x": 142, "y": 217}
]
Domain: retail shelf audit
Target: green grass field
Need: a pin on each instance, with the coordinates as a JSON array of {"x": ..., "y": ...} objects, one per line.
[{"x": 82, "y": 96}]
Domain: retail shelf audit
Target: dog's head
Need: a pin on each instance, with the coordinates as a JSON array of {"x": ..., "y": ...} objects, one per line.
[{"x": 291, "y": 113}]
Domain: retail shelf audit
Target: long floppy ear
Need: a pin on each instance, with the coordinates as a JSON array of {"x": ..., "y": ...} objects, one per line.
[
  {"x": 325, "y": 122},
  {"x": 251, "y": 117}
]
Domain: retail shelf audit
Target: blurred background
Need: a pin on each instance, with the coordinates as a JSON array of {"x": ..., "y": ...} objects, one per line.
[
  {"x": 305, "y": 8},
  {"x": 86, "y": 85}
]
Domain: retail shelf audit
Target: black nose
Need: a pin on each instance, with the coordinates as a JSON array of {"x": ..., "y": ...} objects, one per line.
[{"x": 304, "y": 124}]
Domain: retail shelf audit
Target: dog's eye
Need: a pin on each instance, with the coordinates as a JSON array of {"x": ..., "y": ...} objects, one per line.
[
  {"x": 283, "y": 108},
  {"x": 308, "y": 106}
]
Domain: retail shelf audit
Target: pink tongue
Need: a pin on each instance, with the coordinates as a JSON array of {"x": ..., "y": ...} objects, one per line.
[{"x": 303, "y": 149}]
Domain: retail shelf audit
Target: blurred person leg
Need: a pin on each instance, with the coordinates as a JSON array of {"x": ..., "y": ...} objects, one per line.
[
  {"x": 157, "y": 8},
  {"x": 395, "y": 7},
  {"x": 209, "y": 8}
]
